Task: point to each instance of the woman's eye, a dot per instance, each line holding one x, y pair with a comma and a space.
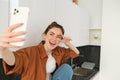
59, 37
51, 34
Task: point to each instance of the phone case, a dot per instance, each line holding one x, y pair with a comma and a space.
19, 15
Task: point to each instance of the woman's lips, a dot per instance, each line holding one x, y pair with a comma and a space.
51, 43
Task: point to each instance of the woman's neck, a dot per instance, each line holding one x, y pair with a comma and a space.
47, 50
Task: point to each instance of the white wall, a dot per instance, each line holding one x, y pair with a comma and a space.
110, 56
94, 8
41, 14
4, 11
74, 19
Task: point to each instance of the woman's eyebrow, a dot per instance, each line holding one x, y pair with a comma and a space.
52, 32
57, 35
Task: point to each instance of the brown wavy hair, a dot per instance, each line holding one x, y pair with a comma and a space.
54, 25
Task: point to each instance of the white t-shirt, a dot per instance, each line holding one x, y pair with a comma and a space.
50, 66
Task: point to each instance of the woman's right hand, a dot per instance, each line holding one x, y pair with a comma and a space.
9, 36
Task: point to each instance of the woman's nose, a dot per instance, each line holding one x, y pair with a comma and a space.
54, 38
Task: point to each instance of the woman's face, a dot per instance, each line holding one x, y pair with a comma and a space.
53, 38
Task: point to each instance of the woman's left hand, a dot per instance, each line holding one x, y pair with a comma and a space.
66, 40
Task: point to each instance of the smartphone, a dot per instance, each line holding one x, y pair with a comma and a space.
19, 15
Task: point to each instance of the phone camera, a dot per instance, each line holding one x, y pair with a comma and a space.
15, 11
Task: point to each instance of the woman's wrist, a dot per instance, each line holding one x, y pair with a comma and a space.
72, 47
2, 48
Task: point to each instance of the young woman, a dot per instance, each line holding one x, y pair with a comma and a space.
39, 61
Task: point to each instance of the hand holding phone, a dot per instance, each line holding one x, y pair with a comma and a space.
19, 15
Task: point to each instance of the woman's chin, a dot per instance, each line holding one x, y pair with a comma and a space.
52, 47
